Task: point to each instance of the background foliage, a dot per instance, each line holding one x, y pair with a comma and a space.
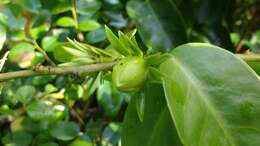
71, 110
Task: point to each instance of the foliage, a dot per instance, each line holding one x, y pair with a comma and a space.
162, 90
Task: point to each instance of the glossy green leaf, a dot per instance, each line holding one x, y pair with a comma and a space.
86, 7
18, 138
64, 130
93, 83
2, 36
65, 22
157, 128
211, 12
57, 6
38, 59
30, 5
22, 54
80, 142
25, 94
49, 43
38, 31
219, 35
116, 19
96, 36
49, 144
88, 24
61, 55
111, 134
213, 96
116, 43
140, 105
160, 24
39, 110
255, 66
109, 98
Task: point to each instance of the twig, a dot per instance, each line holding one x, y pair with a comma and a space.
249, 57
44, 53
47, 70
77, 116
245, 30
74, 13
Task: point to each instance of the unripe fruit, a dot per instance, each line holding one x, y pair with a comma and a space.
130, 74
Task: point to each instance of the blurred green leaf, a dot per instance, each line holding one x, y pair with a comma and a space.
211, 12
22, 54
86, 7
220, 36
38, 59
80, 142
140, 105
64, 130
160, 25
87, 24
93, 83
96, 36
49, 144
61, 55
19, 138
65, 22
25, 94
116, 19
109, 98
30, 5
39, 110
111, 134
50, 43
57, 6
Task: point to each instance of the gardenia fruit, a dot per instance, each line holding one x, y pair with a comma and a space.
130, 74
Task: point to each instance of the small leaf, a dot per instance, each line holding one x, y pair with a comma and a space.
22, 54
140, 105
25, 94
64, 130
88, 7
39, 110
116, 43
80, 142
49, 144
93, 83
50, 43
21, 138
75, 52
61, 55
109, 98
65, 22
157, 59
38, 59
96, 36
88, 24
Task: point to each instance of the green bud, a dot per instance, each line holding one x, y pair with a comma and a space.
130, 74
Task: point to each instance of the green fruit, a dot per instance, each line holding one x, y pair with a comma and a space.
130, 74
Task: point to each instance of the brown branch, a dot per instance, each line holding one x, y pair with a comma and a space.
47, 70
245, 31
